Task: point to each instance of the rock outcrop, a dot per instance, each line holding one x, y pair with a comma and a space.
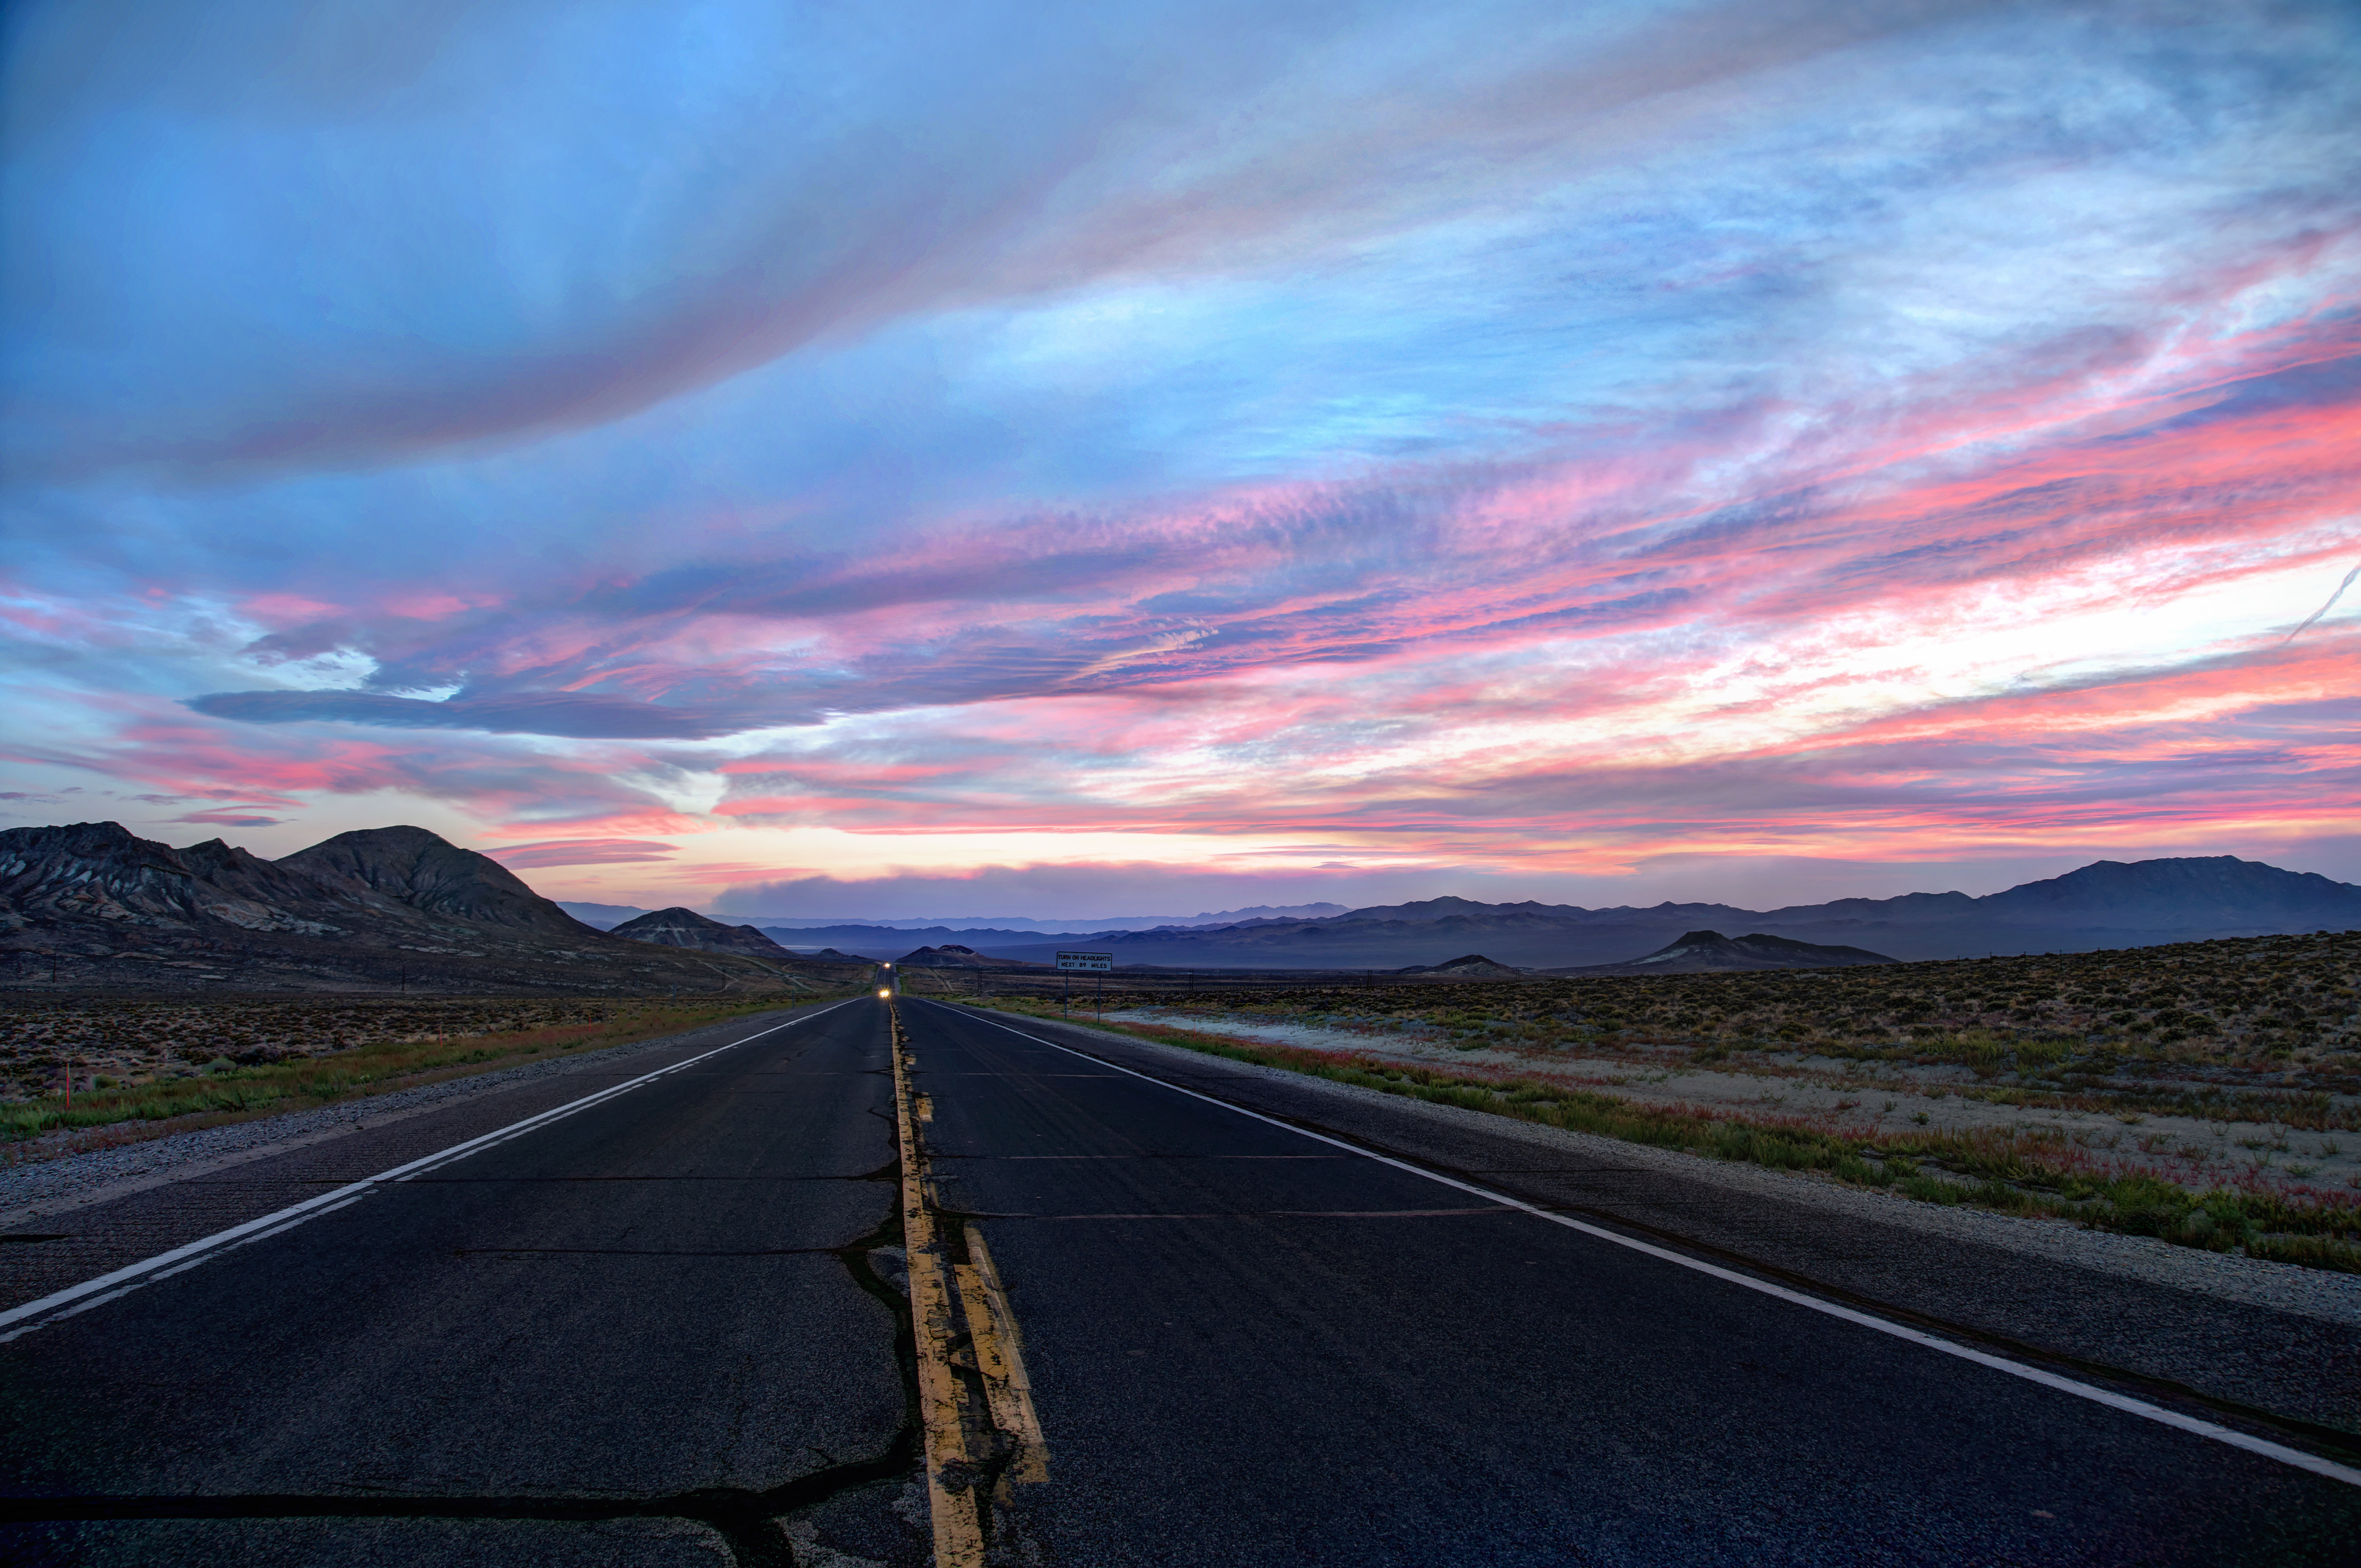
434, 876
92, 906
1705, 952
951, 955
678, 928
1471, 965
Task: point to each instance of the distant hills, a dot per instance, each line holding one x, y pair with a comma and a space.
1472, 966
2108, 903
950, 955
679, 927
1711, 952
607, 916
92, 906
1019, 922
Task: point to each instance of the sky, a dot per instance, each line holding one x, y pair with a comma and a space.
1054, 460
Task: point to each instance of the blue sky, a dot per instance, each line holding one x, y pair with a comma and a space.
694, 451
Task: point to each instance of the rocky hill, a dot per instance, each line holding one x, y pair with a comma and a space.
434, 876
1476, 965
90, 906
951, 955
1711, 952
677, 928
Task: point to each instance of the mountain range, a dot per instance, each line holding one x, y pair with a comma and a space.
1711, 952
2108, 903
92, 906
607, 916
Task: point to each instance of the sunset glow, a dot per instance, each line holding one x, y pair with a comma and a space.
1136, 460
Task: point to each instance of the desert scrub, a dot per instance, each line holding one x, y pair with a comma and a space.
2266, 1026
145, 1032
2017, 1172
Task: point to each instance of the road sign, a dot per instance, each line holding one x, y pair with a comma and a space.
1101, 962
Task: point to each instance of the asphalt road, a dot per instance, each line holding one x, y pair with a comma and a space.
643, 1329
630, 1335
1246, 1346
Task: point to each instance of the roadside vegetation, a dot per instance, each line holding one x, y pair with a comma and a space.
2259, 1032
141, 1069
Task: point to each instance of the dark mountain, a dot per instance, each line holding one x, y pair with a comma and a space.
687, 928
2106, 905
1471, 964
887, 943
99, 871
1705, 952
92, 906
436, 877
1520, 939
2213, 890
950, 955
600, 916
1027, 926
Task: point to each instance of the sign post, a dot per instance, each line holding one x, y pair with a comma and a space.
1089, 963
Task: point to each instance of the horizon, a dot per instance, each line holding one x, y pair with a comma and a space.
1669, 452
1121, 921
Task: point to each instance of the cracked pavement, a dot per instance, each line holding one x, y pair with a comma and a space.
674, 1328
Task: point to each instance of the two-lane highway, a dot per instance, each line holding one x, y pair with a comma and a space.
1249, 1346
656, 1313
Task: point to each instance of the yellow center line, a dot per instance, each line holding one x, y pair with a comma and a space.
975, 1404
1006, 1390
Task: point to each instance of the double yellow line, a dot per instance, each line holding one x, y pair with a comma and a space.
982, 1436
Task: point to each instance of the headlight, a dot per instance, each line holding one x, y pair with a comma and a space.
882, 991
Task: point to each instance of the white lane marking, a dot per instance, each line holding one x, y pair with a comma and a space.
148, 1270
2107, 1397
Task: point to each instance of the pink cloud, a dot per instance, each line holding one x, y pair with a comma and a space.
582, 853
229, 819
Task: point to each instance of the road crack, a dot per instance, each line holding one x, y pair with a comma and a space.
763, 1528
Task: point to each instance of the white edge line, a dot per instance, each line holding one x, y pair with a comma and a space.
2236, 1439
312, 1207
